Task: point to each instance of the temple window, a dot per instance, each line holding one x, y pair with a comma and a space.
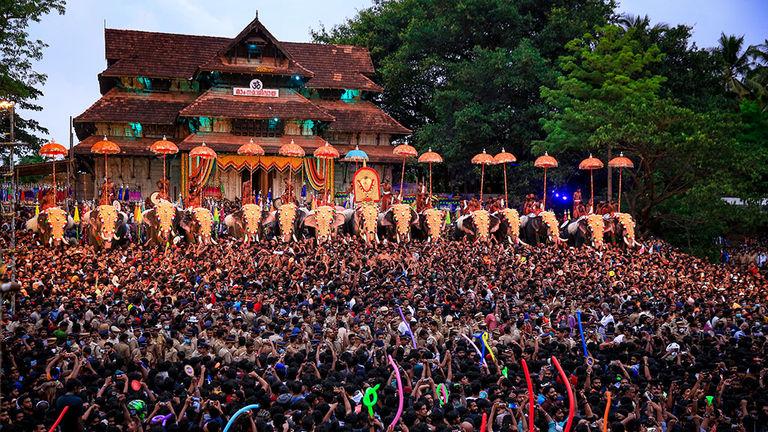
135, 129
308, 127
258, 128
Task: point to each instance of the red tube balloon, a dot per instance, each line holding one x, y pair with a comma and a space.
607, 410
58, 420
484, 422
571, 410
531, 404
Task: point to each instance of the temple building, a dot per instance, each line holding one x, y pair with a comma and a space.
224, 93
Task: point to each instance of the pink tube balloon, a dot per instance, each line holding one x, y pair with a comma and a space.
567, 383
399, 392
531, 405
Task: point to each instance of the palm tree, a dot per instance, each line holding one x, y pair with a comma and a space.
641, 23
757, 79
736, 63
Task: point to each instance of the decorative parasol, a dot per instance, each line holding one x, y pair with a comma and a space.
504, 158
250, 149
430, 157
292, 150
404, 151
105, 147
591, 164
165, 148
327, 153
545, 162
620, 162
482, 159
53, 150
203, 152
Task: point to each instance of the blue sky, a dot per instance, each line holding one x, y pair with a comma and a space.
76, 40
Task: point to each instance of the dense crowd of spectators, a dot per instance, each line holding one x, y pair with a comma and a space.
138, 339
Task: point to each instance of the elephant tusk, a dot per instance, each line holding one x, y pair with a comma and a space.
115, 237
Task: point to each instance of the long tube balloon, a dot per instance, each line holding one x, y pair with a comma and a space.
399, 393
238, 413
484, 338
484, 422
581, 332
567, 382
402, 316
482, 358
607, 410
59, 419
531, 405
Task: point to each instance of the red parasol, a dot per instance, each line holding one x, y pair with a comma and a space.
545, 162
250, 149
591, 164
504, 158
292, 150
164, 147
482, 159
404, 151
327, 153
105, 147
53, 150
620, 162
430, 157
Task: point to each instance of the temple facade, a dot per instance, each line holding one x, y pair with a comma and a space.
226, 92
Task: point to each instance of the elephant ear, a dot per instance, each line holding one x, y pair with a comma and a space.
495, 223
414, 217
311, 220
385, 220
338, 220
270, 218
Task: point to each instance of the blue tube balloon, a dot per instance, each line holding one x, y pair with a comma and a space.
237, 414
581, 332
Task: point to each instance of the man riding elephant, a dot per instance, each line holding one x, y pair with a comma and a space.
245, 223
159, 220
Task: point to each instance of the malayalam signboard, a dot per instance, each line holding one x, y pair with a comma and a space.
255, 89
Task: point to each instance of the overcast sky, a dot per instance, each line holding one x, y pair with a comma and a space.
76, 40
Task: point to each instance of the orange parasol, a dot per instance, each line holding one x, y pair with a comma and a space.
430, 157
504, 158
250, 149
545, 162
327, 153
291, 150
620, 162
203, 152
105, 147
52, 150
404, 151
164, 147
591, 164
482, 159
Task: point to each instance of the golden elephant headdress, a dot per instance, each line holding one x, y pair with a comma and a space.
366, 185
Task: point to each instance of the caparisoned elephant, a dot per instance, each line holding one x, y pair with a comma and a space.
288, 221
620, 229
106, 225
509, 226
540, 229
196, 225
50, 226
478, 225
584, 230
363, 221
160, 220
432, 223
400, 218
325, 221
245, 223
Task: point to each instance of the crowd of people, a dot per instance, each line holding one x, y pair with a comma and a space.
179, 339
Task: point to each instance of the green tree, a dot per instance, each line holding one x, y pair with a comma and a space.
609, 95
466, 75
18, 81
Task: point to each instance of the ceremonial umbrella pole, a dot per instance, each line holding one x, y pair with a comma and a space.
52, 150
164, 147
291, 150
620, 162
250, 149
591, 164
482, 159
545, 162
327, 153
504, 158
105, 147
204, 152
430, 157
404, 151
